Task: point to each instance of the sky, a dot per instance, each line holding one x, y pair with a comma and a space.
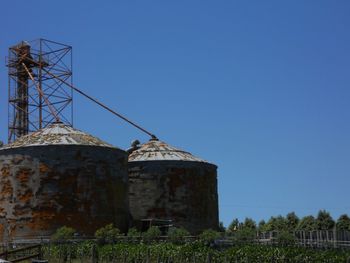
260, 88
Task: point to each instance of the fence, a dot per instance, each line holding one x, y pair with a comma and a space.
317, 239
22, 254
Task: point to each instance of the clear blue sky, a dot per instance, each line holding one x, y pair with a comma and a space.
261, 88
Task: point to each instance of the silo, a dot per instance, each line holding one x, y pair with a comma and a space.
170, 184
61, 176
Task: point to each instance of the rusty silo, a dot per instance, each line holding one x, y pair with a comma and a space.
61, 176
168, 183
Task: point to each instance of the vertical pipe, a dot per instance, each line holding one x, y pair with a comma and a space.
71, 82
23, 51
10, 124
40, 87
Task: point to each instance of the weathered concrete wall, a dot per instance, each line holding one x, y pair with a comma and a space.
185, 192
45, 187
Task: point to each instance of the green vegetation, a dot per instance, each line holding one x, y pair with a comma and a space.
324, 221
285, 238
152, 234
134, 233
189, 252
151, 247
291, 222
107, 234
177, 235
208, 236
63, 233
343, 223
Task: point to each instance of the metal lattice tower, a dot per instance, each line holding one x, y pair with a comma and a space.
36, 98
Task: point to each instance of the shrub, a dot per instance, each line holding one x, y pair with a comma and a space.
152, 233
209, 235
285, 238
63, 233
107, 234
133, 232
176, 235
245, 235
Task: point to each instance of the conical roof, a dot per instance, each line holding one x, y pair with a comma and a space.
57, 134
155, 150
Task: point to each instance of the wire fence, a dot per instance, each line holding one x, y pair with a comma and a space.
317, 239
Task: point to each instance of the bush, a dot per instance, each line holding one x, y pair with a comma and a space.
176, 235
107, 234
209, 235
152, 233
63, 233
285, 238
133, 232
245, 235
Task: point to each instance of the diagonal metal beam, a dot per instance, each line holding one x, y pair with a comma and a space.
51, 108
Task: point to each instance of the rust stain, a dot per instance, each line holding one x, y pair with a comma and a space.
26, 197
158, 212
41, 220
183, 192
7, 188
23, 175
2, 230
5, 171
43, 168
46, 188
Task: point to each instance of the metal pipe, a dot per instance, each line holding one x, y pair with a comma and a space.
102, 105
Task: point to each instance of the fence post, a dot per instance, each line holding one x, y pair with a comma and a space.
40, 252
124, 257
148, 260
208, 258
94, 255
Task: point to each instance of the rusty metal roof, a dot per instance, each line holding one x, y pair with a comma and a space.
155, 150
57, 134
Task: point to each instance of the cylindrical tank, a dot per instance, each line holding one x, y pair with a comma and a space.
166, 183
59, 176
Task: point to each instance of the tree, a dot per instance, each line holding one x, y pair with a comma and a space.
63, 233
307, 223
249, 224
107, 234
262, 226
233, 226
324, 221
278, 223
292, 221
343, 223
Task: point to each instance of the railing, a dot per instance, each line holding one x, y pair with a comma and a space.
22, 254
319, 238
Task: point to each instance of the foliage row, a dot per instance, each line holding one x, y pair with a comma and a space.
188, 252
291, 222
